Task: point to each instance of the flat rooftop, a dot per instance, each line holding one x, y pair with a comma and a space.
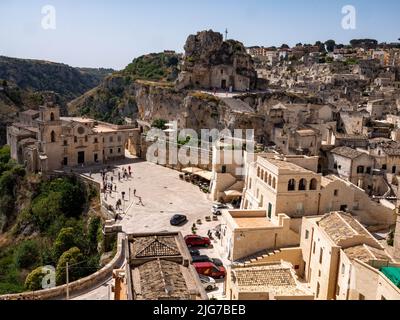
253, 222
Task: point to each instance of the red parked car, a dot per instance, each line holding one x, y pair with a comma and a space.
209, 269
197, 241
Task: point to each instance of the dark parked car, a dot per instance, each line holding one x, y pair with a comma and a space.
197, 241
217, 262
178, 220
194, 252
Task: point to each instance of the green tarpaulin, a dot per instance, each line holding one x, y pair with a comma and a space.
393, 274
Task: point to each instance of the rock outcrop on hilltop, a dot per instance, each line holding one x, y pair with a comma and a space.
210, 62
146, 90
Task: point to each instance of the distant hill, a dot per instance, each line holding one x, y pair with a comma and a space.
38, 75
26, 84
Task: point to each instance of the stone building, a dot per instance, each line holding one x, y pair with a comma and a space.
343, 261
353, 165
268, 281
157, 268
212, 63
44, 141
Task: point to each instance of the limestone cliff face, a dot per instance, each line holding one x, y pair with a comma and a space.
211, 62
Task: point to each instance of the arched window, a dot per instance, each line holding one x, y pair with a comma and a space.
52, 118
303, 185
292, 185
274, 183
313, 184
269, 180
53, 136
262, 175
258, 172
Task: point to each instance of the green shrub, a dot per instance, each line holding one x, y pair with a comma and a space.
74, 257
159, 124
27, 254
66, 240
33, 281
46, 209
93, 232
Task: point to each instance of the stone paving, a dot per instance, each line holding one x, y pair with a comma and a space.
159, 195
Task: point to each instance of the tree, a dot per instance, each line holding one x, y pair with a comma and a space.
5, 84
74, 257
34, 280
27, 254
330, 45
93, 231
46, 209
66, 240
284, 46
321, 46
159, 124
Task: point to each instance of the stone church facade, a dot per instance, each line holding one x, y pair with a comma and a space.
44, 141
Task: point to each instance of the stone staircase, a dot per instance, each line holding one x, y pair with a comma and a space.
257, 257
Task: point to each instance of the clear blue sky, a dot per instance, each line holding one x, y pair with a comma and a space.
100, 33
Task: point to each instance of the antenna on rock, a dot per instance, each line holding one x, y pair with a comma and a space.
226, 34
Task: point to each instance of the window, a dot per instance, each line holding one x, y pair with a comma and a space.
369, 170
318, 289
336, 193
111, 151
53, 136
343, 269
270, 180
262, 201
119, 139
384, 167
303, 185
258, 172
292, 185
111, 139
313, 184
119, 150
86, 138
394, 169
65, 142
335, 166
274, 183
360, 169
224, 170
307, 234
321, 255
52, 118
96, 140
75, 139
314, 247
270, 210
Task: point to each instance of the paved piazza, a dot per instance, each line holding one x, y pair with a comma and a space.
162, 195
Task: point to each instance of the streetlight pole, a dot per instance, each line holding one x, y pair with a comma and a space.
67, 276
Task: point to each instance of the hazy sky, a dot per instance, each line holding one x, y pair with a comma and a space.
100, 33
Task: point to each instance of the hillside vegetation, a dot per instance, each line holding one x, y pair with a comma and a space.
44, 223
115, 98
